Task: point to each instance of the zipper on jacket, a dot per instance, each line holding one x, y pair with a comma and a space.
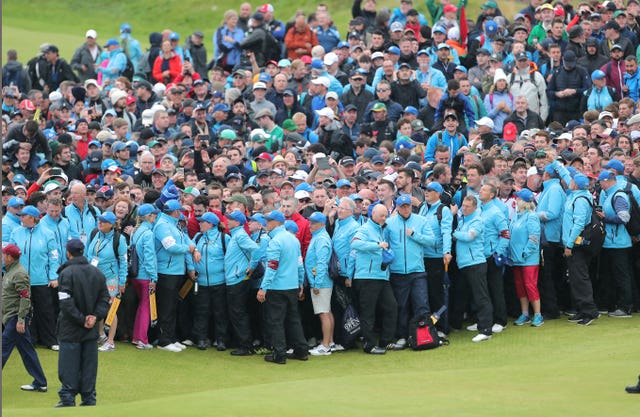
206, 257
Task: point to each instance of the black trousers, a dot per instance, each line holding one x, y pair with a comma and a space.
283, 321
554, 291
580, 283
615, 279
376, 295
127, 313
77, 371
438, 290
210, 301
237, 300
476, 277
22, 341
167, 305
43, 323
495, 284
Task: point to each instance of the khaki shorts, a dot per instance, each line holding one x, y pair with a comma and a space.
322, 301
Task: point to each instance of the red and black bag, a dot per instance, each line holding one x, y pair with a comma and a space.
423, 334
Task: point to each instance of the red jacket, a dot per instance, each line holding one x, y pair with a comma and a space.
304, 232
175, 69
296, 40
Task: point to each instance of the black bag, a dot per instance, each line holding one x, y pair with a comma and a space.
423, 334
350, 325
593, 234
134, 261
334, 266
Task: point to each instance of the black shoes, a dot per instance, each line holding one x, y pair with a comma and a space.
633, 389
61, 404
221, 346
202, 345
280, 360
241, 352
377, 350
300, 356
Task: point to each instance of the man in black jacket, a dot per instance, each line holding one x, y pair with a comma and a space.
84, 300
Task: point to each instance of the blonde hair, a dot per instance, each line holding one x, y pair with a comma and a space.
228, 15
525, 206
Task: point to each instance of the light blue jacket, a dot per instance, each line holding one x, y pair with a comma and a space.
144, 241
39, 253
211, 267
454, 143
470, 240
368, 253
262, 239
495, 228
60, 229
408, 249
576, 215
241, 249
116, 66
524, 245
343, 233
491, 102
316, 264
549, 210
81, 223
9, 222
172, 246
442, 230
615, 218
112, 265
284, 270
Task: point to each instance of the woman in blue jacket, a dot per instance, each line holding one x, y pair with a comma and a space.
147, 277
211, 298
100, 253
524, 252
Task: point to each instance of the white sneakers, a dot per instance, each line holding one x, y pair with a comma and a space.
335, 347
497, 328
320, 350
107, 347
400, 344
473, 327
173, 347
480, 337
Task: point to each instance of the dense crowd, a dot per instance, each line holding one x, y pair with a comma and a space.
381, 171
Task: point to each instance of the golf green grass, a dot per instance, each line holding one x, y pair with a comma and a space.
560, 369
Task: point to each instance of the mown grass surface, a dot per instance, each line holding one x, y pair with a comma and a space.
560, 369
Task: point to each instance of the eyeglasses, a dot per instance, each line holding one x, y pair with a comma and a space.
382, 90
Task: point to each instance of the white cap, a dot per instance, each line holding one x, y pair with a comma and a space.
499, 75
147, 117
255, 132
91, 34
532, 171
91, 81
299, 195
259, 84
377, 55
485, 121
321, 81
604, 114
55, 96
299, 175
159, 89
565, 136
331, 94
327, 112
330, 59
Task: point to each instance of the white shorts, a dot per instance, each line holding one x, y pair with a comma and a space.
322, 301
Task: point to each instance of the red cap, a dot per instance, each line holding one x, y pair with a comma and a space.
130, 99
265, 156
558, 11
306, 59
12, 250
510, 132
27, 105
449, 8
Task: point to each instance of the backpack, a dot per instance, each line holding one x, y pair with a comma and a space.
454, 222
116, 242
128, 69
633, 225
12, 76
272, 49
423, 334
593, 234
134, 259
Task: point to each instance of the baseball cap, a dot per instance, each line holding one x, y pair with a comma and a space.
615, 165
172, 205
238, 216
434, 186
209, 217
15, 202
403, 199
146, 209
258, 217
343, 183
107, 217
317, 217
485, 121
275, 215
327, 112
525, 194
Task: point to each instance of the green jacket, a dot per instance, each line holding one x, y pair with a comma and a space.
16, 293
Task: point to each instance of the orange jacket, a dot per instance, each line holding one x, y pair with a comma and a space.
294, 40
175, 68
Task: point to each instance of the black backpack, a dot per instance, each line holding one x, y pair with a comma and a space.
423, 334
134, 259
128, 69
633, 225
593, 234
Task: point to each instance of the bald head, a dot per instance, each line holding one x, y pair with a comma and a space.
379, 214
78, 194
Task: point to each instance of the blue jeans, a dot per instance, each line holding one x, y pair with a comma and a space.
410, 290
10, 339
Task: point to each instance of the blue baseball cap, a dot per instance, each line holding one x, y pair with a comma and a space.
221, 107
304, 186
29, 211
581, 180
377, 160
172, 205
259, 217
393, 50
423, 52
343, 44
111, 42
107, 217
435, 186
146, 209
525, 194
238, 216
549, 169
275, 215
615, 165
95, 143
404, 142
317, 217
19, 178
598, 75
15, 202
291, 226
606, 175
403, 200
461, 68
209, 217
174, 36
355, 197
343, 183
265, 78
411, 110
